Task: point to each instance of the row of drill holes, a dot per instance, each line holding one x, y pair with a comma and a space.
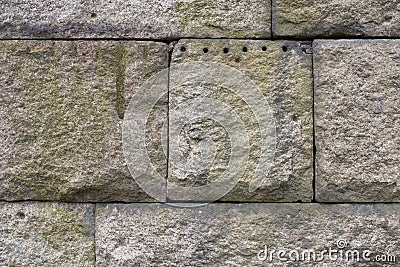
226, 50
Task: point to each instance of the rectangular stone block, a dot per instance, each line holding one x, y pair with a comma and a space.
135, 19
247, 235
240, 120
62, 105
357, 120
339, 18
46, 234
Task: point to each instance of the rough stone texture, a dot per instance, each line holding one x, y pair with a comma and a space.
357, 116
233, 234
336, 18
61, 109
135, 19
283, 73
46, 234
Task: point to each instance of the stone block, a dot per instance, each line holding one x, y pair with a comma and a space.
46, 234
222, 234
135, 19
62, 105
240, 121
338, 18
357, 120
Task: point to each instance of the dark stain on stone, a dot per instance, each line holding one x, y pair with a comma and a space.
120, 70
20, 215
301, 48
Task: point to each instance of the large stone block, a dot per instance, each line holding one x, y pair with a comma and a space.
338, 18
357, 120
61, 110
135, 19
46, 234
240, 111
238, 235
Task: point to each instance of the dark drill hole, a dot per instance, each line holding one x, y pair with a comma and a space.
205, 50
226, 50
93, 16
20, 214
284, 48
183, 49
264, 48
245, 49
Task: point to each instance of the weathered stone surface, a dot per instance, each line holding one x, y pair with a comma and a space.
357, 118
135, 19
46, 234
232, 235
283, 73
61, 109
338, 18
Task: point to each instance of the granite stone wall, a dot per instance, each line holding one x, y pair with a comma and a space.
121, 121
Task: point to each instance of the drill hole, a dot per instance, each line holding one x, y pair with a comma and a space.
245, 49
20, 215
205, 50
226, 50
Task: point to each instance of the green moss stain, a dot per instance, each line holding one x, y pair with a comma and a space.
63, 225
66, 225
120, 70
57, 119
